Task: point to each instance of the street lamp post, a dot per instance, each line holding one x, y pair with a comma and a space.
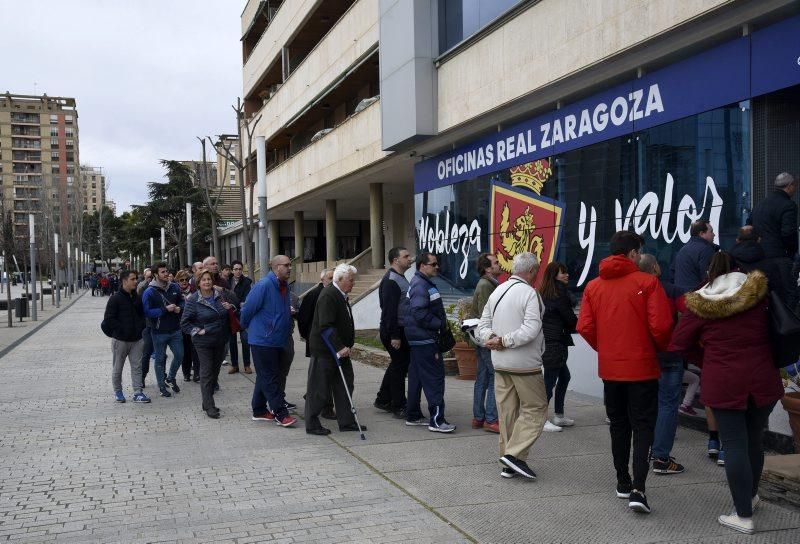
33, 266
163, 244
189, 233
69, 269
152, 252
57, 285
261, 171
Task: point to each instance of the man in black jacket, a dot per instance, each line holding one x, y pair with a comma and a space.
749, 255
305, 318
775, 221
124, 322
332, 335
394, 305
240, 285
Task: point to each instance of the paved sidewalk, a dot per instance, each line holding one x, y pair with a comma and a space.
76, 467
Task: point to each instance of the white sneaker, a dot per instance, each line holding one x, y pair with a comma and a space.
733, 521
562, 421
550, 428
755, 502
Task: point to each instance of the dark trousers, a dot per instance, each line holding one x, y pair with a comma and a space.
234, 349
426, 373
267, 391
287, 356
557, 378
323, 376
788, 287
742, 432
189, 358
632, 408
147, 351
210, 360
393, 386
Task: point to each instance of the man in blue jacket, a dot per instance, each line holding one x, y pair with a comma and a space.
267, 317
425, 321
690, 267
163, 303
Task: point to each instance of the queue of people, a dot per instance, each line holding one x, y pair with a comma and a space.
713, 314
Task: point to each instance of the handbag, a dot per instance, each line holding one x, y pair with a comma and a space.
233, 321
784, 328
446, 340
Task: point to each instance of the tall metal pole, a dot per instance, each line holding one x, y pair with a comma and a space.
57, 285
152, 252
163, 244
189, 234
32, 228
8, 290
69, 269
102, 255
261, 171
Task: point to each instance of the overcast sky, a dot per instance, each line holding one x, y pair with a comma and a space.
148, 76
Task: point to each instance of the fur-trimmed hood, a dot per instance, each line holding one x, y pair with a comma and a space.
728, 295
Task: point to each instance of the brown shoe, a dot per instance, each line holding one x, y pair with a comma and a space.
477, 423
491, 427
233, 370
248, 370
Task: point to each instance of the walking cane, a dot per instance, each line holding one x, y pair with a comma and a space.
326, 334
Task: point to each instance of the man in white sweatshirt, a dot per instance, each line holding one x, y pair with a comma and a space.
511, 326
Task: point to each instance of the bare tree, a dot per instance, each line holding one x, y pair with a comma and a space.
240, 163
211, 194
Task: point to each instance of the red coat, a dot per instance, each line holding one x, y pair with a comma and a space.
727, 334
625, 316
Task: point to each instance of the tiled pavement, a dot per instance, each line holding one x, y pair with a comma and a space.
76, 467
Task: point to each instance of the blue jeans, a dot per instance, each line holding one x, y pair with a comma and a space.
161, 340
669, 398
484, 387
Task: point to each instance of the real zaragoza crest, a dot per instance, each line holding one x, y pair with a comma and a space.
522, 221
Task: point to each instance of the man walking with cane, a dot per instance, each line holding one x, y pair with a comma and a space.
332, 336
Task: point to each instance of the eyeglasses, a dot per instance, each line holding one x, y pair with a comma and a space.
434, 264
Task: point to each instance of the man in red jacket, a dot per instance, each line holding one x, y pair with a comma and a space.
625, 317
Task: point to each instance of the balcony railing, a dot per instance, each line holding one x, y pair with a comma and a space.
16, 143
27, 169
24, 118
25, 131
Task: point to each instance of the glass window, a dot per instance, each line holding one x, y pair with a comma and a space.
460, 19
53, 118
54, 155
53, 142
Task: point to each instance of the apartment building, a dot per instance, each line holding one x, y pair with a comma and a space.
312, 91
93, 188
38, 160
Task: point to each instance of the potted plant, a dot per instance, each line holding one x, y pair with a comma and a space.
463, 350
791, 400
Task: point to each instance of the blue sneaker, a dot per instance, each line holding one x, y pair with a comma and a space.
165, 392
119, 397
713, 448
721, 457
141, 397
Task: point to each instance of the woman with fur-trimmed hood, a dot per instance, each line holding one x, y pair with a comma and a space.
726, 331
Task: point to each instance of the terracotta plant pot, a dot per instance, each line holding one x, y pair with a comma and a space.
467, 361
791, 403
450, 366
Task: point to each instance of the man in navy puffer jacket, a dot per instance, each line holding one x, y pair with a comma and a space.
424, 324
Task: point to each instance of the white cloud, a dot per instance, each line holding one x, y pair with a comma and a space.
148, 76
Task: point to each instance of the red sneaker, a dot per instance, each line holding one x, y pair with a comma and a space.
477, 423
491, 427
286, 421
269, 416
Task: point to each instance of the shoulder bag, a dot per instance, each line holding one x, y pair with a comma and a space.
784, 329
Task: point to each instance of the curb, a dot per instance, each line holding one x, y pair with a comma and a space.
21, 339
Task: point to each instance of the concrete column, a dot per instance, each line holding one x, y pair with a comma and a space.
298, 236
274, 238
330, 231
376, 224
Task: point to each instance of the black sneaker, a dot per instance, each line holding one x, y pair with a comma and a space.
165, 393
173, 384
399, 413
187, 378
518, 465
638, 502
291, 406
508, 472
667, 467
623, 491
196, 379
386, 407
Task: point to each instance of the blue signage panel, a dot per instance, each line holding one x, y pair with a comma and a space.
775, 54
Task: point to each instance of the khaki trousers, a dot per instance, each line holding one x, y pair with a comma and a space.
521, 409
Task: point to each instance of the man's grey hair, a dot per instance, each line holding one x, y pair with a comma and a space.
524, 262
783, 180
647, 263
343, 270
322, 274
208, 260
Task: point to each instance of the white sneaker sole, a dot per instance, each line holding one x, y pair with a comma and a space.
516, 469
623, 495
416, 423
440, 430
735, 527
508, 474
262, 419
638, 507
